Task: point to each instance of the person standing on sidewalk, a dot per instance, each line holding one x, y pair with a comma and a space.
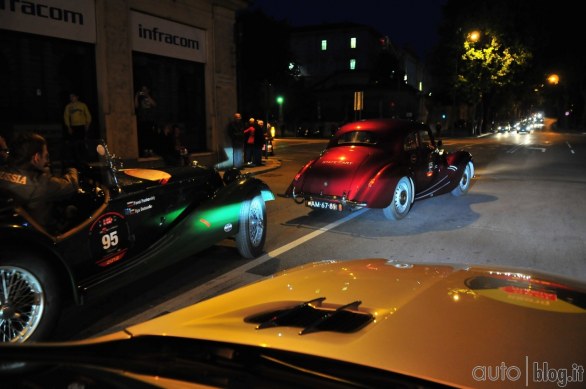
77, 120
235, 132
259, 142
77, 117
249, 142
145, 106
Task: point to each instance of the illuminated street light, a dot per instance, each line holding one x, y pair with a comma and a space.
553, 79
473, 36
280, 101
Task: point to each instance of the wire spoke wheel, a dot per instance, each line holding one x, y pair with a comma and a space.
256, 222
22, 303
252, 231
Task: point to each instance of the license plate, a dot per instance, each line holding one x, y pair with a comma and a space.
321, 204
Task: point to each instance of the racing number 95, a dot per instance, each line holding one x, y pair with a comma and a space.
110, 240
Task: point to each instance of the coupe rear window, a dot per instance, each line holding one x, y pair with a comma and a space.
357, 137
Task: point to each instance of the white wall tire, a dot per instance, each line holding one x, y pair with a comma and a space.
465, 181
401, 201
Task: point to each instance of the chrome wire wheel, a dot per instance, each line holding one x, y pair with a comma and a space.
22, 303
252, 227
256, 221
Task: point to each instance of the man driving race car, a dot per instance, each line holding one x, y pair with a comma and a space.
28, 178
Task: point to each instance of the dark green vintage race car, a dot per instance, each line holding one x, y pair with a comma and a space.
121, 221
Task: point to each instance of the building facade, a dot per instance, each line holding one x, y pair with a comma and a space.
357, 73
105, 51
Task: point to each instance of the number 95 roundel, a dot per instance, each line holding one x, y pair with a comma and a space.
109, 239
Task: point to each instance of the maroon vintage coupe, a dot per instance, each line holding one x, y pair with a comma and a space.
381, 163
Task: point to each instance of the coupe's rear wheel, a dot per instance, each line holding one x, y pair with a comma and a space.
401, 202
252, 233
464, 184
29, 300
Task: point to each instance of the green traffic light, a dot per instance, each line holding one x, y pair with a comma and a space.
280, 99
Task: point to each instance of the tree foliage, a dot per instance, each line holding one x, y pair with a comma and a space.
488, 64
548, 32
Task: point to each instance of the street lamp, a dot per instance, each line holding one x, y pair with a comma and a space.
466, 38
280, 101
553, 79
559, 98
473, 36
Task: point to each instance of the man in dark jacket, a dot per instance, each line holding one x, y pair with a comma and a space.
235, 132
4, 152
28, 178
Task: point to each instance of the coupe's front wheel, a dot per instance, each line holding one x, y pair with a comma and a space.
401, 202
29, 299
252, 233
465, 180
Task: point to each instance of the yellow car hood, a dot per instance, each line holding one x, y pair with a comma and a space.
460, 325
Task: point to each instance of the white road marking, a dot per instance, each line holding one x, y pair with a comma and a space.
514, 149
537, 148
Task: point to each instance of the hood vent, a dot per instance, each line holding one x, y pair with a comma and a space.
311, 316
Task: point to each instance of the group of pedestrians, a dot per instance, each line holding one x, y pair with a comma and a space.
247, 141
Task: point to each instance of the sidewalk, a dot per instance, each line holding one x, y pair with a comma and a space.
156, 163
268, 164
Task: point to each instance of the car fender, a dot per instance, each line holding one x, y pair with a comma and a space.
213, 221
225, 206
299, 178
456, 163
19, 238
459, 158
379, 191
243, 188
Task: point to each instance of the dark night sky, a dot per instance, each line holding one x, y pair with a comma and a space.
411, 23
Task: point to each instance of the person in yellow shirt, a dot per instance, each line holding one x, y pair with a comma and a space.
77, 119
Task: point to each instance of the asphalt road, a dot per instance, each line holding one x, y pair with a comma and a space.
525, 209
